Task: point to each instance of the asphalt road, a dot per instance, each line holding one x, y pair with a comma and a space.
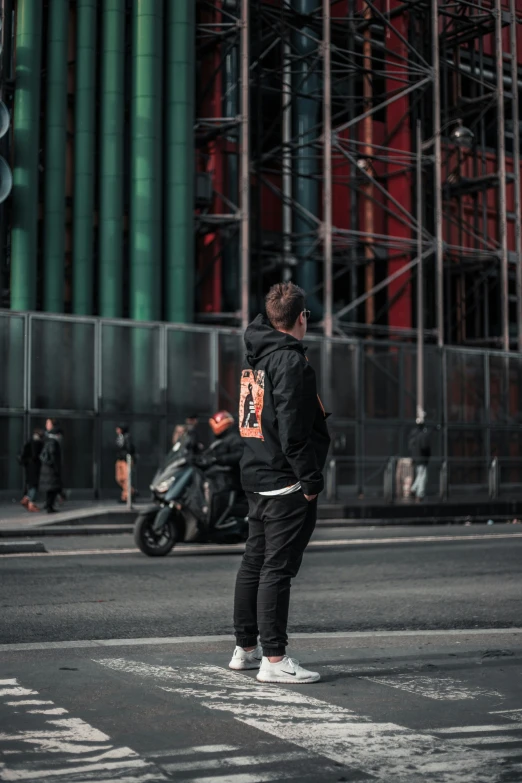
92, 690
431, 583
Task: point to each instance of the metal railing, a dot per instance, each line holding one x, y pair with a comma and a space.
446, 478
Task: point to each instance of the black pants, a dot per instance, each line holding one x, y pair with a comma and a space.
280, 529
51, 496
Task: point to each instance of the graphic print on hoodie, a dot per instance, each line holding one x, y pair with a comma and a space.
281, 419
251, 403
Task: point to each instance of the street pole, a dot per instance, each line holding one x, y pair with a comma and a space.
245, 168
516, 168
420, 283
327, 174
327, 206
439, 250
501, 163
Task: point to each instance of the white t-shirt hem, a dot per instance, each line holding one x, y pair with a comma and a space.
272, 493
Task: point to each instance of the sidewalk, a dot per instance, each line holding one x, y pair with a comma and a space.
75, 513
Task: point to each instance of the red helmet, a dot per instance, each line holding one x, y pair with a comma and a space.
220, 422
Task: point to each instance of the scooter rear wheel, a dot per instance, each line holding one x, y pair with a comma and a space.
151, 543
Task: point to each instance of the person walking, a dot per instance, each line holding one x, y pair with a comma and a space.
420, 449
29, 458
286, 441
51, 470
125, 447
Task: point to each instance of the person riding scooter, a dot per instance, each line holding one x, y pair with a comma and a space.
197, 497
220, 463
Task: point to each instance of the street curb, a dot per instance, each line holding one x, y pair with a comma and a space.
21, 547
73, 530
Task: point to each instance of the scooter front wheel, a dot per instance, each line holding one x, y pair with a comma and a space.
151, 543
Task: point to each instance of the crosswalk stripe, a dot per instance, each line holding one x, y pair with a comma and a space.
71, 748
477, 729
233, 761
438, 688
250, 777
192, 750
386, 750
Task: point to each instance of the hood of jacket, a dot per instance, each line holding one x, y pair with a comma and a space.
262, 339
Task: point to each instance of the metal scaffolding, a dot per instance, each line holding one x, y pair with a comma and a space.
334, 92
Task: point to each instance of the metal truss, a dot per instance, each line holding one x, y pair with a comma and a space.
329, 109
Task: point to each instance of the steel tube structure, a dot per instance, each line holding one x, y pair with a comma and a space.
179, 153
286, 163
84, 158
327, 174
55, 135
145, 212
501, 169
111, 159
437, 175
244, 189
516, 166
420, 280
24, 229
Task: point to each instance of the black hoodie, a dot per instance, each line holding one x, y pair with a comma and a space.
281, 417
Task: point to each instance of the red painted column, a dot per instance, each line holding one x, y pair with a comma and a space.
398, 137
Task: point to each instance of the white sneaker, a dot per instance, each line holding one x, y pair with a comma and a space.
246, 660
286, 671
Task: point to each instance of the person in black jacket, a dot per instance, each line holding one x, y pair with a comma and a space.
420, 448
124, 448
223, 456
220, 463
51, 459
29, 458
286, 442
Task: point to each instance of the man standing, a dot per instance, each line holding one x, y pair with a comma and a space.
286, 442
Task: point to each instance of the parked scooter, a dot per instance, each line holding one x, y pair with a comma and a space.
188, 508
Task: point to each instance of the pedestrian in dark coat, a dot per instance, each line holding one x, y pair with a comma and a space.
29, 458
51, 458
124, 448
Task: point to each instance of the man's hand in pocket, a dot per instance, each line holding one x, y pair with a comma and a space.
310, 497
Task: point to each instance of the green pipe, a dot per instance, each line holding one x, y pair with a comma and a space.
24, 232
306, 117
146, 160
111, 160
84, 152
179, 164
55, 140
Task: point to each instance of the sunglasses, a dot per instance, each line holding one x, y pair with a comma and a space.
306, 314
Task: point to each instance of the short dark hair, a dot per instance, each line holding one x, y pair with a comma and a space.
284, 303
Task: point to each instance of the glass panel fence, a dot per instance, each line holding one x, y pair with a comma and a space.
62, 365
131, 369
12, 361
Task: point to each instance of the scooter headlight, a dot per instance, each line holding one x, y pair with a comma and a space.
165, 485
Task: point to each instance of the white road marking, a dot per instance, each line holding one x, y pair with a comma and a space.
74, 750
387, 750
17, 691
239, 548
477, 729
81, 644
234, 761
193, 750
438, 688
247, 777
27, 702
